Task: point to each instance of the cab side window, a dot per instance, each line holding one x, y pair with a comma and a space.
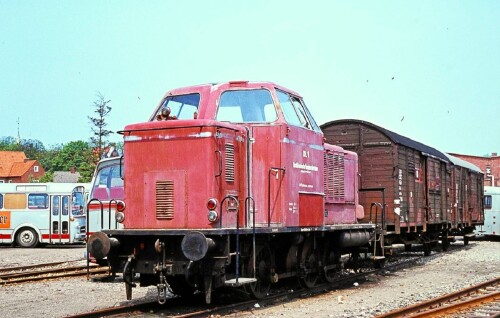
295, 111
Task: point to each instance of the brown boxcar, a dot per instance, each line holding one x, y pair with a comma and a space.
466, 197
414, 180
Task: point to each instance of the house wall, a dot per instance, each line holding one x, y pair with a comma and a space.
493, 162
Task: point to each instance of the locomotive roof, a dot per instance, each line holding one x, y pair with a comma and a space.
240, 83
394, 137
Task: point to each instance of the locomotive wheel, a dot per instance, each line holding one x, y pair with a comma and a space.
27, 238
263, 265
309, 262
180, 287
331, 263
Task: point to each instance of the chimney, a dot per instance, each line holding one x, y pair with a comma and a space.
72, 169
494, 154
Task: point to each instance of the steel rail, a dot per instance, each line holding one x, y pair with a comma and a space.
443, 304
53, 273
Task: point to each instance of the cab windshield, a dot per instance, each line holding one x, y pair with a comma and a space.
246, 106
181, 106
108, 184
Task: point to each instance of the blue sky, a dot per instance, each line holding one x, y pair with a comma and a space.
429, 70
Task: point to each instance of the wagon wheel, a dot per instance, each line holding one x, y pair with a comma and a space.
427, 249
309, 263
27, 238
466, 240
263, 266
331, 263
445, 242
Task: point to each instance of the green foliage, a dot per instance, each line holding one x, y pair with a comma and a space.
47, 177
77, 154
32, 148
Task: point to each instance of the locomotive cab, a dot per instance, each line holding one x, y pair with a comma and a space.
231, 184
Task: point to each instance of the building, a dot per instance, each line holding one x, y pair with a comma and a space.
15, 167
71, 176
490, 165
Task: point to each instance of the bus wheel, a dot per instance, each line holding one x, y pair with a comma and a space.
27, 238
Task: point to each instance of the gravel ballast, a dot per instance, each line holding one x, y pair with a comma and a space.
446, 273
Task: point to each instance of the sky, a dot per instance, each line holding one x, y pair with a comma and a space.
428, 70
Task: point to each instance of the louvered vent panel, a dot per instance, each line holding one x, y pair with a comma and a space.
328, 175
229, 163
165, 199
338, 177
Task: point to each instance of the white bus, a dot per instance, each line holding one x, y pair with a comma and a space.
491, 225
42, 213
106, 191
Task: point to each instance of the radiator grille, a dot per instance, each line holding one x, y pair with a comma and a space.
229, 163
334, 176
165, 199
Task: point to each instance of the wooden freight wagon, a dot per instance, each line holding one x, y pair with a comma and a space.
414, 177
466, 194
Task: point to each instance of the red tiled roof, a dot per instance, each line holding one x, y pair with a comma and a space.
14, 163
20, 168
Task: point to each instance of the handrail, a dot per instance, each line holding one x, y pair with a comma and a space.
87, 231
276, 170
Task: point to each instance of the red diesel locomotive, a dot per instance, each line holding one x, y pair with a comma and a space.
233, 185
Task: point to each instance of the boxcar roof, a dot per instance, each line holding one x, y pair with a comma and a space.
459, 162
395, 138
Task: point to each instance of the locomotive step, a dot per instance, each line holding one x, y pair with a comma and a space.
241, 281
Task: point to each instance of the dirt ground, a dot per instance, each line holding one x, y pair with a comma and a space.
477, 262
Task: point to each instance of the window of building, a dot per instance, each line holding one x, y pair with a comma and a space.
35, 168
487, 202
38, 201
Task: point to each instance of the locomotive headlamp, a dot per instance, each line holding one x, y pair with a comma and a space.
212, 204
120, 217
212, 215
120, 206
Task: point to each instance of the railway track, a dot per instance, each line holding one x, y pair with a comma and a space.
234, 302
482, 300
55, 270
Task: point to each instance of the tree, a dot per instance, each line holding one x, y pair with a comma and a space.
77, 154
100, 133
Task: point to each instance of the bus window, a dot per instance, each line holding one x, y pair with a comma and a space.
1, 201
38, 201
15, 201
55, 205
109, 184
78, 200
65, 205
